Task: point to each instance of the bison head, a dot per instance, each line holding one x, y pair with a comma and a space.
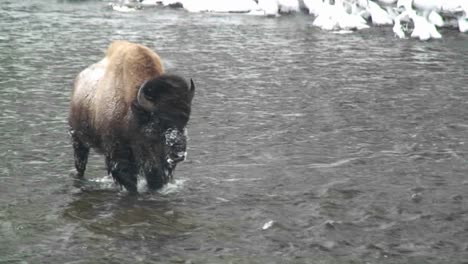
165, 104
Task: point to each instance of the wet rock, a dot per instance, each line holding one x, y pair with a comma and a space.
176, 5
218, 249
374, 246
457, 198
426, 216
191, 248
418, 189
416, 197
330, 224
452, 217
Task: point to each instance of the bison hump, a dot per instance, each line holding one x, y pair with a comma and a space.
135, 61
129, 66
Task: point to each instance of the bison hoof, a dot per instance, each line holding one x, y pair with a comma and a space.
77, 175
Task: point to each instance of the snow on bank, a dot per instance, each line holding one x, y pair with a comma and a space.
410, 18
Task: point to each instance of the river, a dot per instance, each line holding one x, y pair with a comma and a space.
305, 146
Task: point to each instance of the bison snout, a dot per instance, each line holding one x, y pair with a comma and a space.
178, 157
173, 159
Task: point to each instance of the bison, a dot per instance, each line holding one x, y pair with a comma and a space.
128, 109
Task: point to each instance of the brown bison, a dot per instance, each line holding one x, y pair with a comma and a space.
128, 109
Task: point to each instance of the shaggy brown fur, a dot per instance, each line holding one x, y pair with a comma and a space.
116, 108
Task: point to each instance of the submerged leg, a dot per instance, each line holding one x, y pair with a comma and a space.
156, 178
81, 152
123, 169
125, 175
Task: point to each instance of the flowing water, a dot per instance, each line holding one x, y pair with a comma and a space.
305, 146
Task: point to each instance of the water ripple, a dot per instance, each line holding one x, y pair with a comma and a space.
354, 146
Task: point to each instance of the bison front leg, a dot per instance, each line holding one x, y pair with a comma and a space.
121, 165
81, 152
156, 178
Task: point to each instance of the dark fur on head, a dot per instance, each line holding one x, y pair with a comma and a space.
169, 97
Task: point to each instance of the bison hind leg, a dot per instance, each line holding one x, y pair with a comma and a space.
81, 152
124, 172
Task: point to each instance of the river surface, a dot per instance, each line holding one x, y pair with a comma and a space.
305, 146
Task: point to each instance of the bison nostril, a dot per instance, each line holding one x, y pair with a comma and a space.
179, 159
176, 158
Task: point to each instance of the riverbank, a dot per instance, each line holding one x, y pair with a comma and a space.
420, 19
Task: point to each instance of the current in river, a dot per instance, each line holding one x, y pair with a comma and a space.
305, 146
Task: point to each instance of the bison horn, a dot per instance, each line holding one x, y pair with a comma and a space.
192, 88
143, 101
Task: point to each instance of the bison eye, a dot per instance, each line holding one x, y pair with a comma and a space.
178, 121
150, 94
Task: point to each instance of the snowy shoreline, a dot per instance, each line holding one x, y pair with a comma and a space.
409, 18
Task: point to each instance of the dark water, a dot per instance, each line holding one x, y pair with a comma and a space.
355, 146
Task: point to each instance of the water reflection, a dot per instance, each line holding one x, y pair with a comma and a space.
118, 215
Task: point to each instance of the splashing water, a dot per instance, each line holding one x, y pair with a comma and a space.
107, 183
172, 187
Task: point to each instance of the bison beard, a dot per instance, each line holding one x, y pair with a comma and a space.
145, 135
